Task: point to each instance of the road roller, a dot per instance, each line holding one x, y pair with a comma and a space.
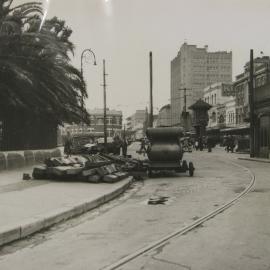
165, 152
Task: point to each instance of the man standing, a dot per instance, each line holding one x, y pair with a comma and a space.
117, 145
143, 148
68, 144
124, 147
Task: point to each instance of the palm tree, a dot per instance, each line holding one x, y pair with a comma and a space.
37, 82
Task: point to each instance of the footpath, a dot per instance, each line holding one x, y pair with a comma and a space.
28, 206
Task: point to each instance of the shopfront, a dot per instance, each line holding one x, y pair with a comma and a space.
264, 136
262, 126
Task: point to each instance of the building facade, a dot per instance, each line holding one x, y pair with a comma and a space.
136, 122
96, 127
261, 77
221, 97
194, 69
262, 121
114, 120
261, 103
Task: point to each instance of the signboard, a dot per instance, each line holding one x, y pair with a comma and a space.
227, 90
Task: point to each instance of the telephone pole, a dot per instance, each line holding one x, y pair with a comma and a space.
105, 106
251, 104
185, 97
151, 90
184, 112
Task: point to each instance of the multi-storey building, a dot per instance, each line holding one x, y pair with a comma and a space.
261, 74
135, 123
113, 120
96, 127
135, 119
219, 95
261, 103
195, 68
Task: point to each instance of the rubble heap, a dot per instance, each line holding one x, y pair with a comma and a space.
127, 163
91, 168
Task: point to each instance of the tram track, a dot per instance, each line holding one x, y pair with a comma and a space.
162, 241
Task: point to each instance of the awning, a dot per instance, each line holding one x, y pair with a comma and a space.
235, 129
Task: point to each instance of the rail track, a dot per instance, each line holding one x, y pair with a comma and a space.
185, 229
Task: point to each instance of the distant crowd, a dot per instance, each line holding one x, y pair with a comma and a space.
230, 143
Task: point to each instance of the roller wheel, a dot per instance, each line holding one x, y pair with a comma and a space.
191, 169
184, 166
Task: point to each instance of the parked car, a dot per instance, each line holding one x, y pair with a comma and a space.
101, 146
78, 143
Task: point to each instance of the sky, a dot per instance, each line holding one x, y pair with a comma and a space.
123, 32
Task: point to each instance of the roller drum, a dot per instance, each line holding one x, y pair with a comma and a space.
164, 134
165, 152
165, 146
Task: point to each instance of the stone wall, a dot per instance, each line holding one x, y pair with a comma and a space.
18, 159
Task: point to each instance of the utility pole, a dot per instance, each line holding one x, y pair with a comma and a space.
124, 135
251, 104
184, 113
105, 106
151, 90
185, 97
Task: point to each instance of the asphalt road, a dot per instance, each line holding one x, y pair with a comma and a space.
101, 237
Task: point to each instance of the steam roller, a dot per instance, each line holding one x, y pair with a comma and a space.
165, 152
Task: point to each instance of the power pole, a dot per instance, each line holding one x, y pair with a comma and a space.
185, 97
105, 106
151, 90
251, 104
184, 113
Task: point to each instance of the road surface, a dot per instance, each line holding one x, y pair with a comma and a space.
115, 230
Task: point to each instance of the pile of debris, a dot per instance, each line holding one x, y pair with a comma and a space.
128, 163
91, 168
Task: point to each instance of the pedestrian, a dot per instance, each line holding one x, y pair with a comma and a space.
226, 143
231, 144
209, 143
68, 144
124, 147
200, 145
196, 144
117, 145
143, 146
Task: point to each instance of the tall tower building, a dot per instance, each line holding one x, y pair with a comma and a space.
194, 69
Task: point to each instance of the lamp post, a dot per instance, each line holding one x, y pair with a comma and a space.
95, 63
105, 104
151, 90
82, 57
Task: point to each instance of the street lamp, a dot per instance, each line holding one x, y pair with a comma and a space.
82, 57
105, 104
